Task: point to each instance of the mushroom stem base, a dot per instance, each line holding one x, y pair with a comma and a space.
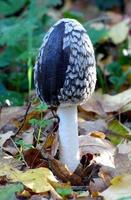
68, 136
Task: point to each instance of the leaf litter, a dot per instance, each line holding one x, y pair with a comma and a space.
103, 158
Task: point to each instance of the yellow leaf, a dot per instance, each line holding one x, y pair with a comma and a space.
117, 180
35, 179
120, 188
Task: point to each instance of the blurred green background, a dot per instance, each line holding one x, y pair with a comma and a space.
23, 24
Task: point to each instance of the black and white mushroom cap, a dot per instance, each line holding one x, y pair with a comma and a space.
65, 72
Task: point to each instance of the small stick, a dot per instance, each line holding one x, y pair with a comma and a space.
27, 110
21, 154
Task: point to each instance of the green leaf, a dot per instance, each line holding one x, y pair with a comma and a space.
22, 143
41, 107
42, 123
11, 6
34, 122
118, 132
64, 191
9, 191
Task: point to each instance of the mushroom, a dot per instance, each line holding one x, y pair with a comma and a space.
65, 76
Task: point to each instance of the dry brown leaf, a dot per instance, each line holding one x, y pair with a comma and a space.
125, 147
9, 146
49, 141
34, 158
107, 173
94, 105
122, 158
89, 126
122, 163
102, 104
5, 136
97, 185
9, 113
28, 136
19, 119
62, 172
101, 147
9, 160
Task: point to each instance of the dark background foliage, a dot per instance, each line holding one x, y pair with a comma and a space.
23, 25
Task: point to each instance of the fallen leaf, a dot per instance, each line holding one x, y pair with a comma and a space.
98, 134
118, 132
124, 147
9, 191
90, 126
62, 172
94, 104
107, 174
34, 158
97, 185
117, 102
19, 119
101, 147
64, 191
27, 136
120, 188
34, 179
9, 160
4, 137
103, 104
122, 163
51, 143
9, 113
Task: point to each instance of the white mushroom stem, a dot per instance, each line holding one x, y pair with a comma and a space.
68, 136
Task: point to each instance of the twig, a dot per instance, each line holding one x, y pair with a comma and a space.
27, 110
21, 154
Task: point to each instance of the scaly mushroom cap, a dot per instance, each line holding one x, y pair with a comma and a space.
65, 71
